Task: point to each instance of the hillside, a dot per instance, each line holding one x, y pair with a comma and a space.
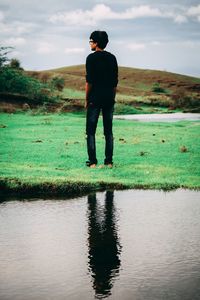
139, 90
132, 81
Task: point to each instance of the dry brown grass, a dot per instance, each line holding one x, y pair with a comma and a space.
132, 81
136, 87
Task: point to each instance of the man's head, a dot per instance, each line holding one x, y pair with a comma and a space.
98, 39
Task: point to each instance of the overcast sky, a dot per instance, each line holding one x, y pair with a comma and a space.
143, 34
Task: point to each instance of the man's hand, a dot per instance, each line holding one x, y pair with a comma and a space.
88, 88
86, 104
114, 92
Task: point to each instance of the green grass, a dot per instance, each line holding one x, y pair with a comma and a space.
141, 105
47, 153
73, 94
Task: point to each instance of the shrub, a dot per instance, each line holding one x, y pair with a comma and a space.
157, 88
16, 81
15, 64
58, 83
182, 99
43, 77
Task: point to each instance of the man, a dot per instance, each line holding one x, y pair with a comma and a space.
101, 83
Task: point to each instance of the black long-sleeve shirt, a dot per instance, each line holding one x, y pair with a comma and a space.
102, 74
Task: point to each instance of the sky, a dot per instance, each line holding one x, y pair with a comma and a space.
155, 34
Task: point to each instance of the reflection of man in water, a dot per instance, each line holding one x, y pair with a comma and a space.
104, 248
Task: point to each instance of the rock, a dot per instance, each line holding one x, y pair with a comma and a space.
26, 106
183, 149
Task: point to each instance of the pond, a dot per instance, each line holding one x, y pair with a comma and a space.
165, 117
132, 244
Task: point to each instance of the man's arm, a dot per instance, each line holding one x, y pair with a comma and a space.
88, 88
88, 85
114, 92
115, 76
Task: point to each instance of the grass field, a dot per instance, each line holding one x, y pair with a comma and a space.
47, 154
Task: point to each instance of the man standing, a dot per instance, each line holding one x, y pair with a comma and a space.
101, 83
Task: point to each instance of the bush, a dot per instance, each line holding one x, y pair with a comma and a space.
15, 64
12, 80
58, 83
16, 81
43, 77
182, 99
157, 88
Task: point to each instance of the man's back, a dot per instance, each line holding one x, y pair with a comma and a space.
102, 73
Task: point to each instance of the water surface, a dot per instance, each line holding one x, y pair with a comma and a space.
165, 117
113, 245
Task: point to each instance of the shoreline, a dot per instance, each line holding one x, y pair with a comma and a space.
72, 189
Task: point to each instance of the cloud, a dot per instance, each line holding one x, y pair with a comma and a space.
81, 17
45, 48
194, 11
139, 12
102, 12
136, 46
16, 28
173, 44
15, 54
15, 41
189, 44
180, 19
146, 33
147, 45
156, 43
74, 50
1, 16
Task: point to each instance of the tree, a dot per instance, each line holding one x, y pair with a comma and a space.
3, 55
15, 64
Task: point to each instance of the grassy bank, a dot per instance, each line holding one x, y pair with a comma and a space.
47, 153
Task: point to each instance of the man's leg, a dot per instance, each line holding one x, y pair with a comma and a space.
91, 125
107, 124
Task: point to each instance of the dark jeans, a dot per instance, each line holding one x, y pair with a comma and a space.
93, 113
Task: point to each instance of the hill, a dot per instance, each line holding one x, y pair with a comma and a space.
132, 81
137, 88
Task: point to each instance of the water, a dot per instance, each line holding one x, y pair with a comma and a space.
170, 117
112, 245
